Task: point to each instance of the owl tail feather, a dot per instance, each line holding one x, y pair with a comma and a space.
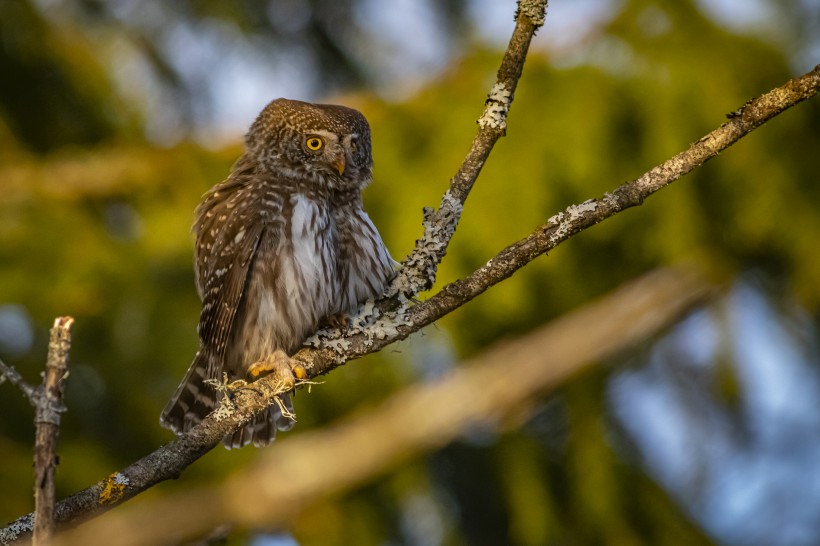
194, 398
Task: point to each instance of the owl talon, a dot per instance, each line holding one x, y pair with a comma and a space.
299, 371
340, 321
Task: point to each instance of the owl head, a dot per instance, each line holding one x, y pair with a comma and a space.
325, 143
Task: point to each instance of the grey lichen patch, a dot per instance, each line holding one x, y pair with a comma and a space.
565, 222
368, 321
225, 410
578, 211
384, 329
226, 406
609, 198
420, 267
496, 107
387, 327
364, 316
534, 10
332, 338
561, 227
339, 345
19, 526
121, 479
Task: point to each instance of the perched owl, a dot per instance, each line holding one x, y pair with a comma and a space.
281, 244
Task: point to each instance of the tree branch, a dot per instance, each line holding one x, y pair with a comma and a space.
420, 418
47, 423
562, 226
418, 273
47, 400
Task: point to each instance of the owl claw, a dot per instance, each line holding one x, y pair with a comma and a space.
299, 371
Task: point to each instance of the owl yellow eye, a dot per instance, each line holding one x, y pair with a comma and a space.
353, 146
314, 143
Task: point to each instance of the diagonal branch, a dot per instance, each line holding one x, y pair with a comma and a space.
564, 225
421, 418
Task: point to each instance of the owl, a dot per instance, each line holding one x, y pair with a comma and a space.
281, 245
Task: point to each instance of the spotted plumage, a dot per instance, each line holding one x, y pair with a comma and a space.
282, 243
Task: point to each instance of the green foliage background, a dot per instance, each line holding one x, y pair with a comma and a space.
94, 223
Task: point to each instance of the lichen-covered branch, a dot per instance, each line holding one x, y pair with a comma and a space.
571, 221
418, 272
378, 320
421, 418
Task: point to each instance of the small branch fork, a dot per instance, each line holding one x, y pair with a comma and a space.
47, 400
418, 273
394, 318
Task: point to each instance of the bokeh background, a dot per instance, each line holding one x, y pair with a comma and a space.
116, 116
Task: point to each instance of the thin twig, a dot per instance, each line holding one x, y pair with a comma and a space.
493, 123
14, 377
47, 421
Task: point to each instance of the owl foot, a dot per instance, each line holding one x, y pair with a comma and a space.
289, 370
340, 321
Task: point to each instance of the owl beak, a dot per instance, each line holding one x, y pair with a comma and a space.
339, 163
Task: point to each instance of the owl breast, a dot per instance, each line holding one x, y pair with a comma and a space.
292, 284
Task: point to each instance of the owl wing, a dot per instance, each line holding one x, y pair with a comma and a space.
227, 240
